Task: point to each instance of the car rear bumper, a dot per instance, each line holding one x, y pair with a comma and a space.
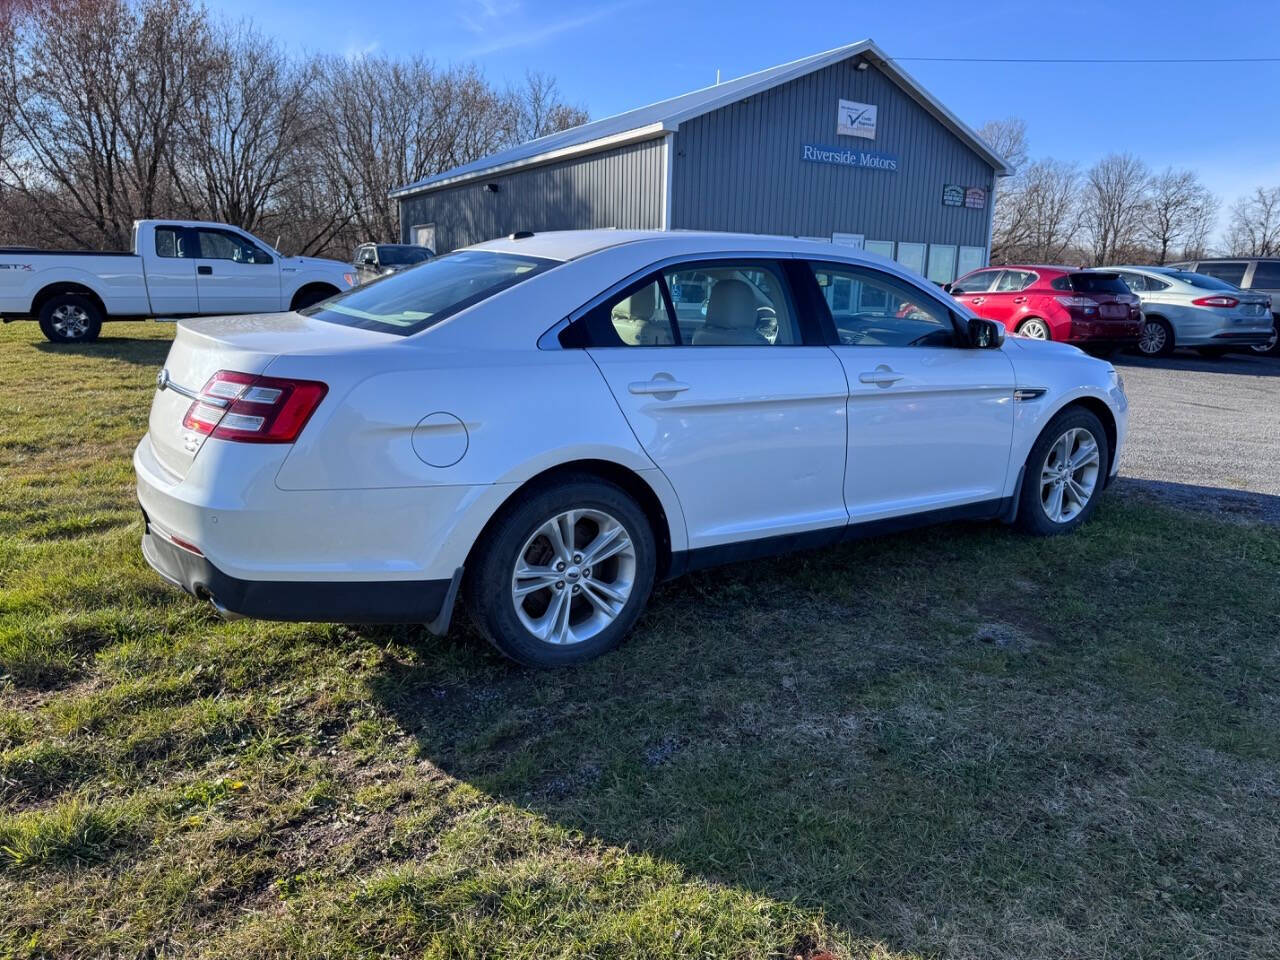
397, 601
1118, 333
1241, 338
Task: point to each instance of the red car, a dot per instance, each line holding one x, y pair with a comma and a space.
1090, 308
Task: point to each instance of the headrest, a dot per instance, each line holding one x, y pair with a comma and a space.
732, 306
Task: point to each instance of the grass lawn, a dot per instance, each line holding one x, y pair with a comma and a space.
958, 742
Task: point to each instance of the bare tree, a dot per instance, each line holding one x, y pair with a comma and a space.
1114, 206
1255, 224
1008, 138
96, 89
1177, 212
539, 111
1036, 218
241, 137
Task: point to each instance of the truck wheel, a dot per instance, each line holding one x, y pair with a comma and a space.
70, 318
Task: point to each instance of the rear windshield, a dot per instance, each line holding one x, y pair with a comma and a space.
1201, 280
402, 256
413, 300
1097, 283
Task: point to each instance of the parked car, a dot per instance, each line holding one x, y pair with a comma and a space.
177, 268
374, 260
1090, 309
493, 425
1185, 309
1257, 275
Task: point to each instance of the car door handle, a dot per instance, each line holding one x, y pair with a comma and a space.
882, 377
204, 271
976, 300
657, 387
1019, 299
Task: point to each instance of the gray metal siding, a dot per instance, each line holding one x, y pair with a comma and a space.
739, 168
614, 188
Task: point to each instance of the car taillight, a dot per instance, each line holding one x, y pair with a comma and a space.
254, 409
1218, 301
1079, 303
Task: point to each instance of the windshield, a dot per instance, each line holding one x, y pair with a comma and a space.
402, 256
1201, 280
1097, 283
413, 300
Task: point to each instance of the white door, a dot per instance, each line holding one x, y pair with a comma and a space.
930, 421
746, 421
171, 273
235, 275
424, 235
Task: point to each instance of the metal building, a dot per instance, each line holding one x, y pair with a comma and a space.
841, 146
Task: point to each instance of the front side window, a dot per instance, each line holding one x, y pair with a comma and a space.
728, 304
413, 300
222, 245
875, 309
979, 282
1232, 271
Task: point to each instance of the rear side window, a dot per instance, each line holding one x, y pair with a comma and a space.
732, 304
169, 242
1137, 282
1014, 280
413, 300
1231, 271
1097, 283
1154, 285
1266, 275
634, 317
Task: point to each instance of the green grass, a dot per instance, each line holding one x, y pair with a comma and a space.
957, 742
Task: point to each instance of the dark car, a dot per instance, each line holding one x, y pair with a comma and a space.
374, 260
1092, 309
1255, 274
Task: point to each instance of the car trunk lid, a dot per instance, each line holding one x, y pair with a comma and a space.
245, 344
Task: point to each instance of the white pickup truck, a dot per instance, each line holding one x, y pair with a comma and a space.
178, 268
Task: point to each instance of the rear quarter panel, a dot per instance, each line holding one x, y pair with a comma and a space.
118, 281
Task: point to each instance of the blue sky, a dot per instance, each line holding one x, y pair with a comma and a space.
1222, 120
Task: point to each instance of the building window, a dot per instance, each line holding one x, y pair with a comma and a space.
911, 256
970, 259
942, 263
882, 247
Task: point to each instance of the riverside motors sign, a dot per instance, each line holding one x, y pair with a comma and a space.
849, 157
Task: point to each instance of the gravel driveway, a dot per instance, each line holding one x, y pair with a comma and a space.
1205, 433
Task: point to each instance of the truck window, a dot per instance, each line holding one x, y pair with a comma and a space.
224, 245
169, 242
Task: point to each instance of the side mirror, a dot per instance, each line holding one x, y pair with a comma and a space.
985, 334
947, 287
368, 258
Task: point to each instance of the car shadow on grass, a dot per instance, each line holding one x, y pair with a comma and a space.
144, 352
923, 737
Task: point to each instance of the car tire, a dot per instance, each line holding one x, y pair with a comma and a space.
1273, 348
309, 298
1045, 497
602, 602
1034, 329
70, 318
1157, 338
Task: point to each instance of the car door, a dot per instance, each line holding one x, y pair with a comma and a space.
171, 273
930, 419
972, 290
1008, 298
739, 404
235, 275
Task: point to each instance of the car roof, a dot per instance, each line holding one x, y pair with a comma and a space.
1035, 267
573, 244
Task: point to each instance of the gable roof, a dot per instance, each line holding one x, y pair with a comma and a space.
665, 116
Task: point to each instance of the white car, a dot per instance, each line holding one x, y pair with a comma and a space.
530, 424
1185, 309
177, 268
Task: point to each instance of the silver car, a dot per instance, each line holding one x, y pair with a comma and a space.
1186, 309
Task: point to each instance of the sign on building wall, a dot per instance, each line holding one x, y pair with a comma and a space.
952, 195
856, 120
848, 157
975, 198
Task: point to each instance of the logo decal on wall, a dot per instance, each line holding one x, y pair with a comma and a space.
856, 119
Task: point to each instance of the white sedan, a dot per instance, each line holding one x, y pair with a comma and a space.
543, 426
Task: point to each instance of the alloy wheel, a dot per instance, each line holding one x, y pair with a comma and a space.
1069, 476
70, 321
1153, 338
573, 576
1034, 330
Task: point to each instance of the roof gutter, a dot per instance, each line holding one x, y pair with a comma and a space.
636, 135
